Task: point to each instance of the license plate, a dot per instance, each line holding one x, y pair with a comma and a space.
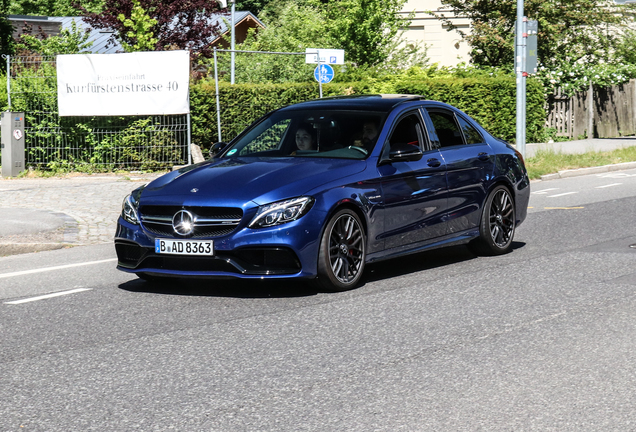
184, 247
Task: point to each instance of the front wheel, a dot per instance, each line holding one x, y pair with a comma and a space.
497, 227
342, 252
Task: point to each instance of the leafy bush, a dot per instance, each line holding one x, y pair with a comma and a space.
142, 142
490, 100
571, 78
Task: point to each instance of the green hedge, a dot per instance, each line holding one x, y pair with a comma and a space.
491, 101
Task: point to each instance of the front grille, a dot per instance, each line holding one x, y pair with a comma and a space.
188, 264
208, 221
254, 261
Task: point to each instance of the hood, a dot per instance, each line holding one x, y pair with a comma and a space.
235, 181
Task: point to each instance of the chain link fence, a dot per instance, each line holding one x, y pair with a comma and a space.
88, 143
260, 69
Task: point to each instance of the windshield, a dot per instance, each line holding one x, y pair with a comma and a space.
336, 134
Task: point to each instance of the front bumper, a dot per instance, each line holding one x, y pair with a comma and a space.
286, 251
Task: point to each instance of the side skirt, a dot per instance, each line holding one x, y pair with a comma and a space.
449, 240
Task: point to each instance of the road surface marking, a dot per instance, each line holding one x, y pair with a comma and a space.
562, 208
544, 191
47, 296
609, 185
616, 175
46, 269
563, 194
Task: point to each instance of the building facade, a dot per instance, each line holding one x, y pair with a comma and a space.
446, 48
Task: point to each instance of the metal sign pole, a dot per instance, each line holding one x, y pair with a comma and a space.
9, 82
320, 76
521, 96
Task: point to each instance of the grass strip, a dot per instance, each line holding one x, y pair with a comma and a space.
549, 161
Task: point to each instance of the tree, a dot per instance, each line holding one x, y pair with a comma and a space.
140, 25
180, 24
625, 52
365, 29
289, 28
294, 26
53, 7
254, 6
569, 30
6, 30
69, 41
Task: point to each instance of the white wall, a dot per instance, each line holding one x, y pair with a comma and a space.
444, 47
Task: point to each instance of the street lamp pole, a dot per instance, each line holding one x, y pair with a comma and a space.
233, 41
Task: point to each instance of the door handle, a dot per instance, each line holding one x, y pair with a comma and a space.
432, 162
483, 156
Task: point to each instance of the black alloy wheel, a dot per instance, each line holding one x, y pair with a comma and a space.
497, 227
342, 252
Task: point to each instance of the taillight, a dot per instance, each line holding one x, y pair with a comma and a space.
520, 156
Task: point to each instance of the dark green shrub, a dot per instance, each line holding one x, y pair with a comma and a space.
489, 100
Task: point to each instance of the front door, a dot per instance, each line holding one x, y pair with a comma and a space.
414, 193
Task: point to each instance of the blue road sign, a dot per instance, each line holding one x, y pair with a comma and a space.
323, 73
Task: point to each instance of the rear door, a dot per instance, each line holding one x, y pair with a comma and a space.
469, 164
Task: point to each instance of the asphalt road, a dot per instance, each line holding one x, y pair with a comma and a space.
539, 339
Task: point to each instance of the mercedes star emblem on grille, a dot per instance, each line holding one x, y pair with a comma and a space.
183, 222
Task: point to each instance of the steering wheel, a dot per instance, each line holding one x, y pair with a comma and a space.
360, 149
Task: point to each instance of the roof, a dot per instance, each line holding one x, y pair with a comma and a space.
380, 102
101, 37
238, 18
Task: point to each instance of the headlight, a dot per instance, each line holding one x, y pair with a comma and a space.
131, 205
281, 212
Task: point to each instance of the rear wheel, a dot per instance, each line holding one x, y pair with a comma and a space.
342, 252
497, 227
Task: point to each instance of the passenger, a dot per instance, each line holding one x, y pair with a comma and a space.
305, 137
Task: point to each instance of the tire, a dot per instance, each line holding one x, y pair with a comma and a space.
497, 225
342, 253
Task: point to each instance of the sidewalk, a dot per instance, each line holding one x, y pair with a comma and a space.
50, 213
582, 146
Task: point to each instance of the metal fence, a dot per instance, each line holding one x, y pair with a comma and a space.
259, 68
88, 143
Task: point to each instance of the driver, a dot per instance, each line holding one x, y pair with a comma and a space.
369, 135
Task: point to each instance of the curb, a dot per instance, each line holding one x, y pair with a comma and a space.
7, 249
590, 170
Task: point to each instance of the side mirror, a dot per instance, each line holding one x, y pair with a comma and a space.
403, 152
217, 148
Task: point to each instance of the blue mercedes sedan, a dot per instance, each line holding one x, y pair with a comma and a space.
319, 189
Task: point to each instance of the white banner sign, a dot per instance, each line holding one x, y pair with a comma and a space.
139, 83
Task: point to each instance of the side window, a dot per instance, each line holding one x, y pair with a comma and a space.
470, 133
408, 130
270, 139
446, 128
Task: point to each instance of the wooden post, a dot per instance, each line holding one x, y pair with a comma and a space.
632, 112
570, 125
590, 111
